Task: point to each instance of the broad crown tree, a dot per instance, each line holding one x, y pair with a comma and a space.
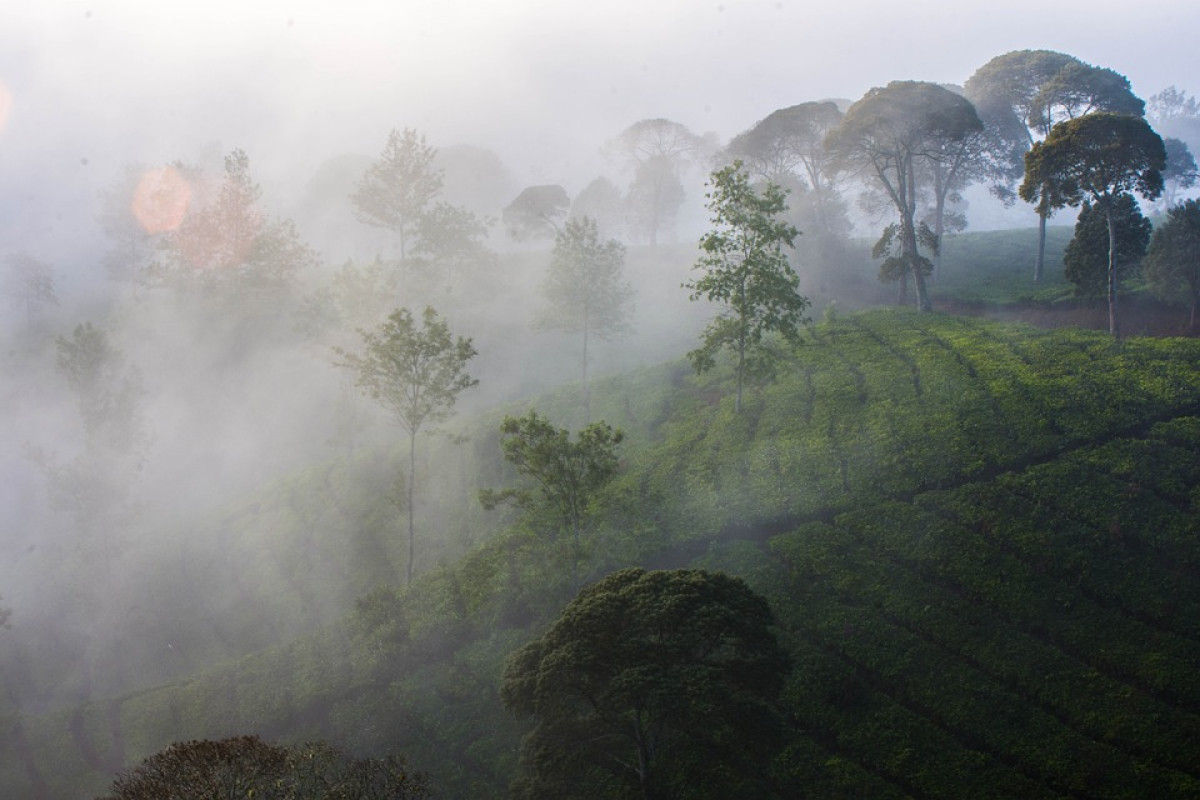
1028, 92
656, 684
1096, 157
889, 136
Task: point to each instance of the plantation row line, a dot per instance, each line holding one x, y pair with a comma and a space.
1041, 664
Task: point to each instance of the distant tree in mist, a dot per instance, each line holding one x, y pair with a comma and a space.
585, 290
568, 475
5, 614
536, 213
28, 286
451, 241
132, 246
416, 374
229, 245
94, 486
1038, 89
745, 270
1172, 262
601, 201
1097, 157
788, 146
1085, 261
656, 151
356, 296
247, 767
889, 136
1181, 172
399, 186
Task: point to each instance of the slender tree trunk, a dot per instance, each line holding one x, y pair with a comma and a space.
412, 478
737, 406
1040, 264
1113, 326
587, 389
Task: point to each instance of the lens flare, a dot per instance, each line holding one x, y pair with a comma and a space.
6, 101
161, 200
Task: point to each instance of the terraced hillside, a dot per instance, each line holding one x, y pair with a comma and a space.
980, 542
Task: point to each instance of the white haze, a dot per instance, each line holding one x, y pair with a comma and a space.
95, 86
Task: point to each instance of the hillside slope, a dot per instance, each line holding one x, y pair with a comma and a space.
979, 541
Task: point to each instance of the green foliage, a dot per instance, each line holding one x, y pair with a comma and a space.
746, 270
416, 375
247, 767
1100, 157
891, 135
1172, 264
585, 289
1085, 261
569, 475
1097, 156
977, 540
651, 684
399, 186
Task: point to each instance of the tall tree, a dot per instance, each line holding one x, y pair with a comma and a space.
651, 685
28, 285
891, 135
1098, 157
585, 290
417, 375
1172, 263
568, 474
399, 186
230, 245
746, 270
1085, 261
94, 486
656, 151
1039, 88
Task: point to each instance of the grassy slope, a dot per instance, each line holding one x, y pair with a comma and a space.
979, 540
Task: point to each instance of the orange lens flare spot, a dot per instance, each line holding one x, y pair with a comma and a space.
6, 102
161, 200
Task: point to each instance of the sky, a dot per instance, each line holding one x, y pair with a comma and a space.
88, 87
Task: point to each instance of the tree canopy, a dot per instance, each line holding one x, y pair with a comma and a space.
746, 270
536, 212
585, 289
888, 135
416, 374
1085, 261
653, 684
247, 767
1096, 157
568, 474
1172, 263
398, 186
1021, 95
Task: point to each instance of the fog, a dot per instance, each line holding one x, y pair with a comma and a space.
310, 91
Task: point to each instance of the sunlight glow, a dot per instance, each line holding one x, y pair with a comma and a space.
161, 200
6, 101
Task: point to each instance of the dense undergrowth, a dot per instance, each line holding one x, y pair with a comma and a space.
979, 541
